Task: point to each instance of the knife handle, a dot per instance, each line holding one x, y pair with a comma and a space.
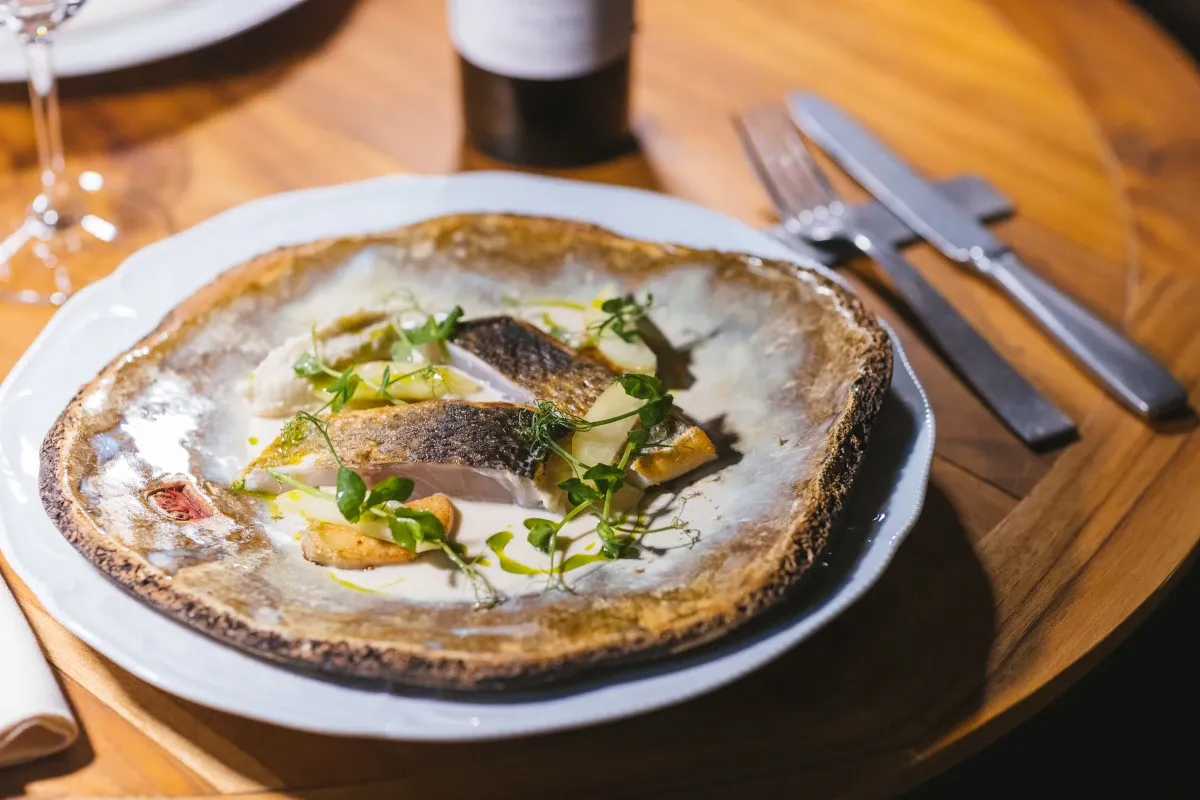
1129, 373
1024, 409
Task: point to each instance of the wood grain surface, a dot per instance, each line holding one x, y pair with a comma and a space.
1023, 570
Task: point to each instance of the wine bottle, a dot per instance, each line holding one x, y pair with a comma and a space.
544, 82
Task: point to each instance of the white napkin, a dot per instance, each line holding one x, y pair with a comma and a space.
35, 719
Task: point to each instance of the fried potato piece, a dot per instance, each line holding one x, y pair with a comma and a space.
344, 546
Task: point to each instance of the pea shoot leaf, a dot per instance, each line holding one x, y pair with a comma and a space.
433, 331
643, 387
343, 389
541, 533
351, 490
623, 315
611, 545
308, 366
655, 411
388, 489
578, 492
402, 531
606, 477
428, 528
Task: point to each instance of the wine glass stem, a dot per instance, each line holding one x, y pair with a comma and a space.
47, 125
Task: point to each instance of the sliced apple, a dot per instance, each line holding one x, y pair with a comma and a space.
419, 384
603, 444
633, 356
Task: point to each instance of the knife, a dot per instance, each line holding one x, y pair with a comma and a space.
1129, 373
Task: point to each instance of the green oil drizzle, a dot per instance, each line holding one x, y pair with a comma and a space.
239, 486
363, 589
354, 586
550, 302
253, 440
498, 541
580, 560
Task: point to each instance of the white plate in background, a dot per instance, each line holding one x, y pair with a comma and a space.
110, 34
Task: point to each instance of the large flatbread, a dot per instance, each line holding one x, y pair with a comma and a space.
783, 367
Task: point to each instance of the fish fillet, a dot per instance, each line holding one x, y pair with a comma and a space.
509, 353
470, 451
505, 352
519, 361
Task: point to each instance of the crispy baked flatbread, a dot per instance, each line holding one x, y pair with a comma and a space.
784, 369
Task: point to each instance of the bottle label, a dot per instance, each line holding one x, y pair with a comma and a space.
541, 39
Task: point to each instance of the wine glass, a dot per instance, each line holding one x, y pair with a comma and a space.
78, 224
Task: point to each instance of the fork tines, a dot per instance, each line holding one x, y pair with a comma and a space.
782, 162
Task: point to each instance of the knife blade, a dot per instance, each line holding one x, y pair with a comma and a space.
1129, 373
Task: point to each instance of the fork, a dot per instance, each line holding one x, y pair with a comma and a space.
811, 209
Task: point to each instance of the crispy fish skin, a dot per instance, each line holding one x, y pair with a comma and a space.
684, 448
475, 451
687, 448
341, 546
486, 435
535, 362
523, 362
539, 364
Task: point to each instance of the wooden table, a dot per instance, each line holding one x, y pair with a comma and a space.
1024, 569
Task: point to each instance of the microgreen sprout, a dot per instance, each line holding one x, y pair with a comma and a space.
624, 313
593, 486
346, 382
428, 332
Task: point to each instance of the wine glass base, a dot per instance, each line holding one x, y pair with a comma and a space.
57, 247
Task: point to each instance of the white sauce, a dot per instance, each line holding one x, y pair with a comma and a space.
729, 350
433, 578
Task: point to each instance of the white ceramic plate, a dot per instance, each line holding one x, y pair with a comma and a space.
110, 34
107, 317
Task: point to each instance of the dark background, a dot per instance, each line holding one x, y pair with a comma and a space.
1131, 727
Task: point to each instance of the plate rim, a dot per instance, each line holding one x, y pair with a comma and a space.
838, 600
152, 35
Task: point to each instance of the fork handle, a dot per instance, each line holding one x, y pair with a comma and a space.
1127, 371
1011, 397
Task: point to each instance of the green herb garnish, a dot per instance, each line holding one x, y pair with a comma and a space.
433, 331
430, 331
558, 331
343, 390
388, 490
624, 313
346, 382
593, 486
